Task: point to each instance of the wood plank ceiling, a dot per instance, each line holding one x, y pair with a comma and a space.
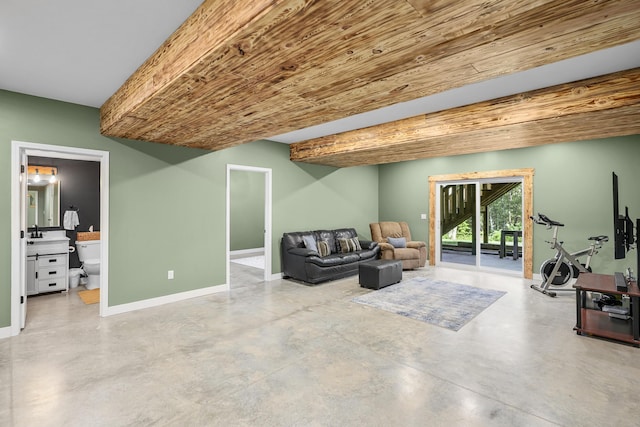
234, 73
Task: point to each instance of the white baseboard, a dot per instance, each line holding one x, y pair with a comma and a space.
246, 252
167, 299
5, 332
276, 276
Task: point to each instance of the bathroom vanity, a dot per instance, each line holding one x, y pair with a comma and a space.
47, 263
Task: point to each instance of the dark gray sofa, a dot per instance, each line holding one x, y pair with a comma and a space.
301, 263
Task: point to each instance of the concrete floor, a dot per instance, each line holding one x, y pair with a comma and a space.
284, 354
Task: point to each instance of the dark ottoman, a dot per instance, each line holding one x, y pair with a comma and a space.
380, 273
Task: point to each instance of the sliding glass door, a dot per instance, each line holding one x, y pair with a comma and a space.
480, 224
458, 221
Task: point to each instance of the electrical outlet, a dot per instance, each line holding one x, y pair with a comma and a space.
170, 275
423, 216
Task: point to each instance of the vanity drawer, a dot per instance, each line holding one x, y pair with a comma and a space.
53, 284
53, 272
52, 261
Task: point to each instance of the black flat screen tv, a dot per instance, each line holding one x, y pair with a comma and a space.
622, 225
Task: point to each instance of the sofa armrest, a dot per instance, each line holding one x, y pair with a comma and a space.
368, 244
384, 246
294, 260
302, 252
416, 245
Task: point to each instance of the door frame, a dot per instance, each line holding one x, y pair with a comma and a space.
526, 174
267, 217
18, 250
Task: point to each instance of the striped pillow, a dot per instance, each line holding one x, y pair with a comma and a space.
323, 248
349, 245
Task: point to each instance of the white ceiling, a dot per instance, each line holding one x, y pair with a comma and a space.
82, 51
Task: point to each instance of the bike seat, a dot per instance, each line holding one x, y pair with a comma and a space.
549, 221
600, 238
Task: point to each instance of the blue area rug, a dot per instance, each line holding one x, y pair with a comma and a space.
445, 304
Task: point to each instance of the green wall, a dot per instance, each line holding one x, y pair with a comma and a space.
572, 184
246, 210
167, 203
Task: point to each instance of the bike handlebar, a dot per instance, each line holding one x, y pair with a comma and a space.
545, 220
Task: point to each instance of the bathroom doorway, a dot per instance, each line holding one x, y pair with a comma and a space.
248, 225
22, 152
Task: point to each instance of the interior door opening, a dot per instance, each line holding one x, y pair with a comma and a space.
248, 225
51, 220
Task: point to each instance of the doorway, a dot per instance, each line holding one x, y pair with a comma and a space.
20, 152
479, 220
249, 214
480, 224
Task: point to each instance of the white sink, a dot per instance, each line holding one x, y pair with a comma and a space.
50, 243
47, 239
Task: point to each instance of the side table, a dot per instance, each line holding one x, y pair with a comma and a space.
503, 235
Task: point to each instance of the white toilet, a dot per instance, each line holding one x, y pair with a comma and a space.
89, 254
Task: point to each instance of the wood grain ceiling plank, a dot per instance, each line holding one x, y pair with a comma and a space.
217, 77
233, 74
569, 34
451, 70
470, 12
420, 44
260, 43
256, 117
246, 41
593, 94
608, 123
604, 124
525, 49
214, 22
314, 55
470, 128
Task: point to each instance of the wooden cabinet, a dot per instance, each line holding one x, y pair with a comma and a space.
593, 321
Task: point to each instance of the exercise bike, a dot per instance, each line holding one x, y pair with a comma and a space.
564, 265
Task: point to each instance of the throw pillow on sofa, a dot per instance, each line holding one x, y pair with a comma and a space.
310, 243
323, 248
349, 245
397, 242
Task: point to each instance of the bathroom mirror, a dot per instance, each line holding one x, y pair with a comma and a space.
43, 197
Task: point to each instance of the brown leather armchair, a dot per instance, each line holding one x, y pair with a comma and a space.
413, 255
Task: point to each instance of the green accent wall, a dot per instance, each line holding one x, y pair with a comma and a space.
246, 210
167, 203
572, 184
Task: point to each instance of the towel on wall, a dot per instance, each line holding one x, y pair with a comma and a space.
70, 220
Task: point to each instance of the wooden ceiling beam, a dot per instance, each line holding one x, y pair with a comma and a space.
594, 108
238, 72
203, 34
